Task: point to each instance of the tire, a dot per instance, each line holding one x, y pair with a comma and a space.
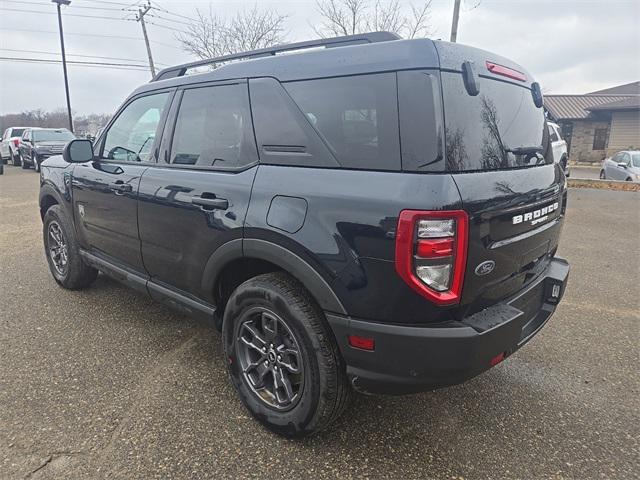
321, 392
74, 274
628, 179
603, 175
36, 165
15, 159
22, 162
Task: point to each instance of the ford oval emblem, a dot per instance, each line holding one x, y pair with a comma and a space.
485, 268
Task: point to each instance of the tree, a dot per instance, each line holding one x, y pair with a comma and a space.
213, 36
349, 17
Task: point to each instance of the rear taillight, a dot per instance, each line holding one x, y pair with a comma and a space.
16, 142
431, 253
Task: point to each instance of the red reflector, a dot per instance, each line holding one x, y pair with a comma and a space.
16, 142
506, 71
497, 359
437, 247
362, 342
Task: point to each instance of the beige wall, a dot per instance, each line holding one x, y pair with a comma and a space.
582, 141
625, 131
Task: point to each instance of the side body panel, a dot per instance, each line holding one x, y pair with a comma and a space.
348, 234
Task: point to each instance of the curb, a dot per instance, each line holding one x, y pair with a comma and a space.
603, 184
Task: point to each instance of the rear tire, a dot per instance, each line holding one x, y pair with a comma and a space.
63, 252
36, 165
15, 159
271, 314
22, 162
603, 176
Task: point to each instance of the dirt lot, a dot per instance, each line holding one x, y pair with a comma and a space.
105, 383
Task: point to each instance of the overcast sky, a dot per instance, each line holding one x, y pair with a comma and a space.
571, 46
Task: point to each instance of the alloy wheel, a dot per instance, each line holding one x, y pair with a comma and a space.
270, 358
57, 245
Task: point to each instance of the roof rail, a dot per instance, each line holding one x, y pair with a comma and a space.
373, 37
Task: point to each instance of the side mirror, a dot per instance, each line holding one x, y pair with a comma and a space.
78, 151
622, 164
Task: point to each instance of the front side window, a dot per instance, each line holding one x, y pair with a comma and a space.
213, 128
357, 116
131, 136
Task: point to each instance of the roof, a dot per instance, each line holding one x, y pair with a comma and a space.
627, 103
632, 88
577, 107
317, 63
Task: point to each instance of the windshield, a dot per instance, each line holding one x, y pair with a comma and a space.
499, 128
635, 159
17, 132
52, 135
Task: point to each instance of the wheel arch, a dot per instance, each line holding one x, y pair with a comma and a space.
47, 198
252, 257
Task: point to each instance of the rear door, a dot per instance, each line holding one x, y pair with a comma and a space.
499, 153
105, 190
196, 198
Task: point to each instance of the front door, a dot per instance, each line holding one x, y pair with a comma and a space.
105, 190
197, 200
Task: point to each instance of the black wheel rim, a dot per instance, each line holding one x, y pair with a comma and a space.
270, 359
57, 248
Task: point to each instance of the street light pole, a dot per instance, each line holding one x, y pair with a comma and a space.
454, 23
64, 59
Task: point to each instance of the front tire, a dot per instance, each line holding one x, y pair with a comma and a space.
282, 357
63, 252
603, 176
22, 162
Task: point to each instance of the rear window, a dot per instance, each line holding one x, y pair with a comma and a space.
16, 132
500, 128
356, 116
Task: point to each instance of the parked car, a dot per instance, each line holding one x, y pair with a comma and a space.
559, 147
38, 144
624, 165
381, 216
10, 145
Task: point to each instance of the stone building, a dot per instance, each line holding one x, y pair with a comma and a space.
598, 124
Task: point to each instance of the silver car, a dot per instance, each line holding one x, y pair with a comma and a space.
624, 165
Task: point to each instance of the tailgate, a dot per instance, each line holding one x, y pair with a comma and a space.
515, 219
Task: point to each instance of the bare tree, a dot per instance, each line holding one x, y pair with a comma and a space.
214, 36
348, 17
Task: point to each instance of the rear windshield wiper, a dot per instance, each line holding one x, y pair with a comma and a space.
524, 150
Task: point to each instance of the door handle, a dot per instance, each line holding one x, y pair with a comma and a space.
208, 204
120, 187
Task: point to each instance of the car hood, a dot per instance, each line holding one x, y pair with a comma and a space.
55, 161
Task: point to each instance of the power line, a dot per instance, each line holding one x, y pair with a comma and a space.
74, 55
88, 35
162, 9
53, 13
41, 4
130, 66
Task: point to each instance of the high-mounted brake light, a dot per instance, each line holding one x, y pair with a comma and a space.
431, 253
506, 71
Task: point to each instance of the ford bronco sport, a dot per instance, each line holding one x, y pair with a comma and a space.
358, 213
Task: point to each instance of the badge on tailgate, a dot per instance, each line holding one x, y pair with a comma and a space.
535, 216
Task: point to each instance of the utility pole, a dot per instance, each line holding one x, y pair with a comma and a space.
64, 59
140, 18
454, 24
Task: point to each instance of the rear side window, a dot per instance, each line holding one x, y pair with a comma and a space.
17, 132
356, 116
500, 128
213, 128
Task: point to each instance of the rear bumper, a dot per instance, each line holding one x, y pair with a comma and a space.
409, 359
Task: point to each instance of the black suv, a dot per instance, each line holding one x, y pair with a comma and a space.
37, 144
379, 214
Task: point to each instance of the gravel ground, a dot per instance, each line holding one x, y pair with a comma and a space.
104, 383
